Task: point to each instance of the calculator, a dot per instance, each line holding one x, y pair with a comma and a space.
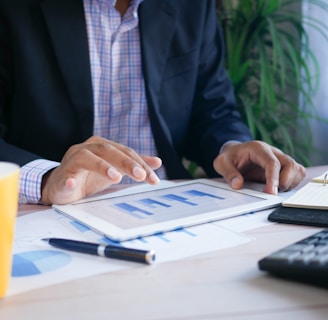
305, 260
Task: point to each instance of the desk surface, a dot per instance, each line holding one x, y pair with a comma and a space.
224, 284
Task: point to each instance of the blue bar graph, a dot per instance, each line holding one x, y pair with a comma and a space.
133, 210
183, 200
202, 194
153, 203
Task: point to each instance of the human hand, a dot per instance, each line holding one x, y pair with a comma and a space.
258, 161
93, 166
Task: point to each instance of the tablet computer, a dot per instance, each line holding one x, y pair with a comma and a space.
164, 208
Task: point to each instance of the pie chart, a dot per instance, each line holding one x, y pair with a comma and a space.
31, 263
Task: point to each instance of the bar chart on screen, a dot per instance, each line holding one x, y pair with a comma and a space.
152, 211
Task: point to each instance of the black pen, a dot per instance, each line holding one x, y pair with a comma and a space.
109, 251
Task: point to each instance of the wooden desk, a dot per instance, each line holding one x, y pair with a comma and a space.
225, 284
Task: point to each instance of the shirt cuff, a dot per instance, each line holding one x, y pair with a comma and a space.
30, 179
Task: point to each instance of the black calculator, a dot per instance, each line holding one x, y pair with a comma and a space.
305, 260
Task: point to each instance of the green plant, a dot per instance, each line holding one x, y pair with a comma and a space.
269, 59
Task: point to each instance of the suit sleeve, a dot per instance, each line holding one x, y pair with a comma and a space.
215, 117
8, 152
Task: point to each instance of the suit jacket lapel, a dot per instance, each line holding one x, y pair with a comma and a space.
67, 29
157, 25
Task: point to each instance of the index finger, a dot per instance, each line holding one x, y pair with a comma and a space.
124, 159
271, 166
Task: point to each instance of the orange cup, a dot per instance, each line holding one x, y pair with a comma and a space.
9, 182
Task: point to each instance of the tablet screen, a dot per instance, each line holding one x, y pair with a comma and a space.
162, 205
143, 209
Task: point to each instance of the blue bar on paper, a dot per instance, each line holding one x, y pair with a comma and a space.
80, 227
186, 231
110, 242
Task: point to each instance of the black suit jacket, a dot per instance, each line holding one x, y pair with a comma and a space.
46, 102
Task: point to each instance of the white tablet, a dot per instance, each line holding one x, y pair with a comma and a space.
163, 208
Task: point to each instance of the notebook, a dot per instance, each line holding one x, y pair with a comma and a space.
308, 206
314, 195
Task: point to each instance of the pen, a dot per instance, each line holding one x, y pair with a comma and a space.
109, 251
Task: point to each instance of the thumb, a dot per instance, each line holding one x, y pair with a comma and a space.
65, 192
236, 182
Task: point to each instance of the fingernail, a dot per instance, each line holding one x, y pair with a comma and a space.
113, 174
275, 190
235, 182
153, 178
139, 173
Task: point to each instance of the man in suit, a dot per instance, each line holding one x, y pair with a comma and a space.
93, 91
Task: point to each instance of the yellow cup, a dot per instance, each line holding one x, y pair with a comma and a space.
9, 179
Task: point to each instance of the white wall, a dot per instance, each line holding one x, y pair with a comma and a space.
320, 48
